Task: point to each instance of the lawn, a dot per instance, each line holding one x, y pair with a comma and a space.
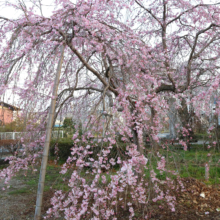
190, 165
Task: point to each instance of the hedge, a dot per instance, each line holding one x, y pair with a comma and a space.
65, 145
64, 148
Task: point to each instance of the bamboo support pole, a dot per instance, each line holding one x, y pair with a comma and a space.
41, 182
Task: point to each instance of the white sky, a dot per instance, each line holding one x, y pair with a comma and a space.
48, 6
11, 13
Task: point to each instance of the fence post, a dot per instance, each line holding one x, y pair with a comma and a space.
206, 171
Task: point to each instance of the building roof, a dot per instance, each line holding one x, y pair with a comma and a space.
12, 107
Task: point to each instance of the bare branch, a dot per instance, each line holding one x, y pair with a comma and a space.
150, 12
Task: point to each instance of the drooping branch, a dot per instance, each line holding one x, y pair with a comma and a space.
188, 80
189, 10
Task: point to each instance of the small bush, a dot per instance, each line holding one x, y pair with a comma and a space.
65, 145
64, 148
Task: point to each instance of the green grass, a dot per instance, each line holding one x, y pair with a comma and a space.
53, 180
3, 166
187, 164
19, 191
32, 182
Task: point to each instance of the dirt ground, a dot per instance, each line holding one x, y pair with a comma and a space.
199, 201
20, 206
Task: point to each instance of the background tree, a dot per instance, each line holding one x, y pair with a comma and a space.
69, 126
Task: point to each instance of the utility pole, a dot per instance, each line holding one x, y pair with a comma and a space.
41, 182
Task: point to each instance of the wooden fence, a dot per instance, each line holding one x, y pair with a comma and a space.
18, 135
